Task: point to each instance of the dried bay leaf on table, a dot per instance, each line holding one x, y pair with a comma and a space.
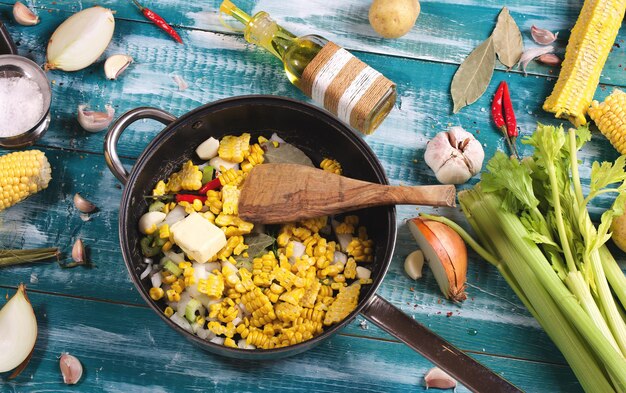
472, 78
507, 39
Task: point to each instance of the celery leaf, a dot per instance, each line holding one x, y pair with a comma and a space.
508, 174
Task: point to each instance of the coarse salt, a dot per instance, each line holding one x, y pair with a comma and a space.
21, 105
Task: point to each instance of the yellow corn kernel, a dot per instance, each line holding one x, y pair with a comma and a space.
261, 139
312, 314
301, 233
167, 246
350, 269
169, 311
230, 199
293, 296
164, 231
159, 189
234, 148
156, 293
184, 265
344, 228
188, 178
271, 295
310, 294
169, 278
172, 295
152, 229
330, 165
214, 201
610, 118
229, 342
287, 312
255, 157
339, 278
212, 286
361, 250
344, 304
589, 45
231, 177
176, 287
315, 224
337, 285
197, 205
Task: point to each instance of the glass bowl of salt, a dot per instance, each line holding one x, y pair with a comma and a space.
25, 96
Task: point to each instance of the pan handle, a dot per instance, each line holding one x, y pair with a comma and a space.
114, 133
463, 368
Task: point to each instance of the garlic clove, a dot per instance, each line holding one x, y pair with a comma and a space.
542, 36
532, 53
78, 252
549, 59
439, 379
71, 369
23, 15
18, 325
95, 121
413, 264
82, 204
115, 65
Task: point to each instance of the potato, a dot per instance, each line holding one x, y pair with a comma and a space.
618, 227
393, 18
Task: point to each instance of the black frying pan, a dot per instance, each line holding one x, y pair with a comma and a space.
318, 134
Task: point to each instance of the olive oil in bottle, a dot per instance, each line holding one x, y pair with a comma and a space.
356, 93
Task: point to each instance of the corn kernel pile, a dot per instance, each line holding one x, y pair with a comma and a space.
283, 296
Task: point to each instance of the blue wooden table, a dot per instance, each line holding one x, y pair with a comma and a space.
97, 314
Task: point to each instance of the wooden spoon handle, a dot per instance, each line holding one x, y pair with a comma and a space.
437, 195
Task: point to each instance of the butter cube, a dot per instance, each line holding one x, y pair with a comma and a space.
197, 237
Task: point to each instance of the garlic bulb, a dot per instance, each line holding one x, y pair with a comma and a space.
454, 155
80, 40
95, 121
23, 15
115, 65
18, 325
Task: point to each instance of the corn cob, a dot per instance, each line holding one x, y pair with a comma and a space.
587, 50
610, 117
22, 174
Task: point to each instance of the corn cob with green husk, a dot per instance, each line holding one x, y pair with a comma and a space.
587, 50
22, 174
610, 117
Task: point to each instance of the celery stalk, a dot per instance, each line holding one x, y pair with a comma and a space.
542, 305
614, 274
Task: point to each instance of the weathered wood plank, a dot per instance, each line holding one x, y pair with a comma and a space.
446, 31
125, 348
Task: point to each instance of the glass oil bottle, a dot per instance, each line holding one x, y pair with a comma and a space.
356, 93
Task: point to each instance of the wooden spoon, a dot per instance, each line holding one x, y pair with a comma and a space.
276, 193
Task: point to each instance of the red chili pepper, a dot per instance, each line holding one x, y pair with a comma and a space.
210, 185
503, 116
189, 198
509, 114
159, 21
496, 107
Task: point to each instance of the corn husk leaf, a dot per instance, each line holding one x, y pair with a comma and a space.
472, 78
507, 39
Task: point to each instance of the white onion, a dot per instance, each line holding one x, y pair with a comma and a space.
174, 257
156, 280
218, 340
175, 215
339, 258
276, 138
145, 273
18, 325
181, 321
199, 271
210, 266
80, 40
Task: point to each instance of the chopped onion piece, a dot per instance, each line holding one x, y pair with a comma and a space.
298, 249
339, 258
363, 273
210, 266
174, 257
218, 340
236, 321
156, 280
175, 215
181, 321
145, 273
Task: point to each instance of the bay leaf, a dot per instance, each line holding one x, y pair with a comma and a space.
473, 75
507, 39
257, 244
285, 153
